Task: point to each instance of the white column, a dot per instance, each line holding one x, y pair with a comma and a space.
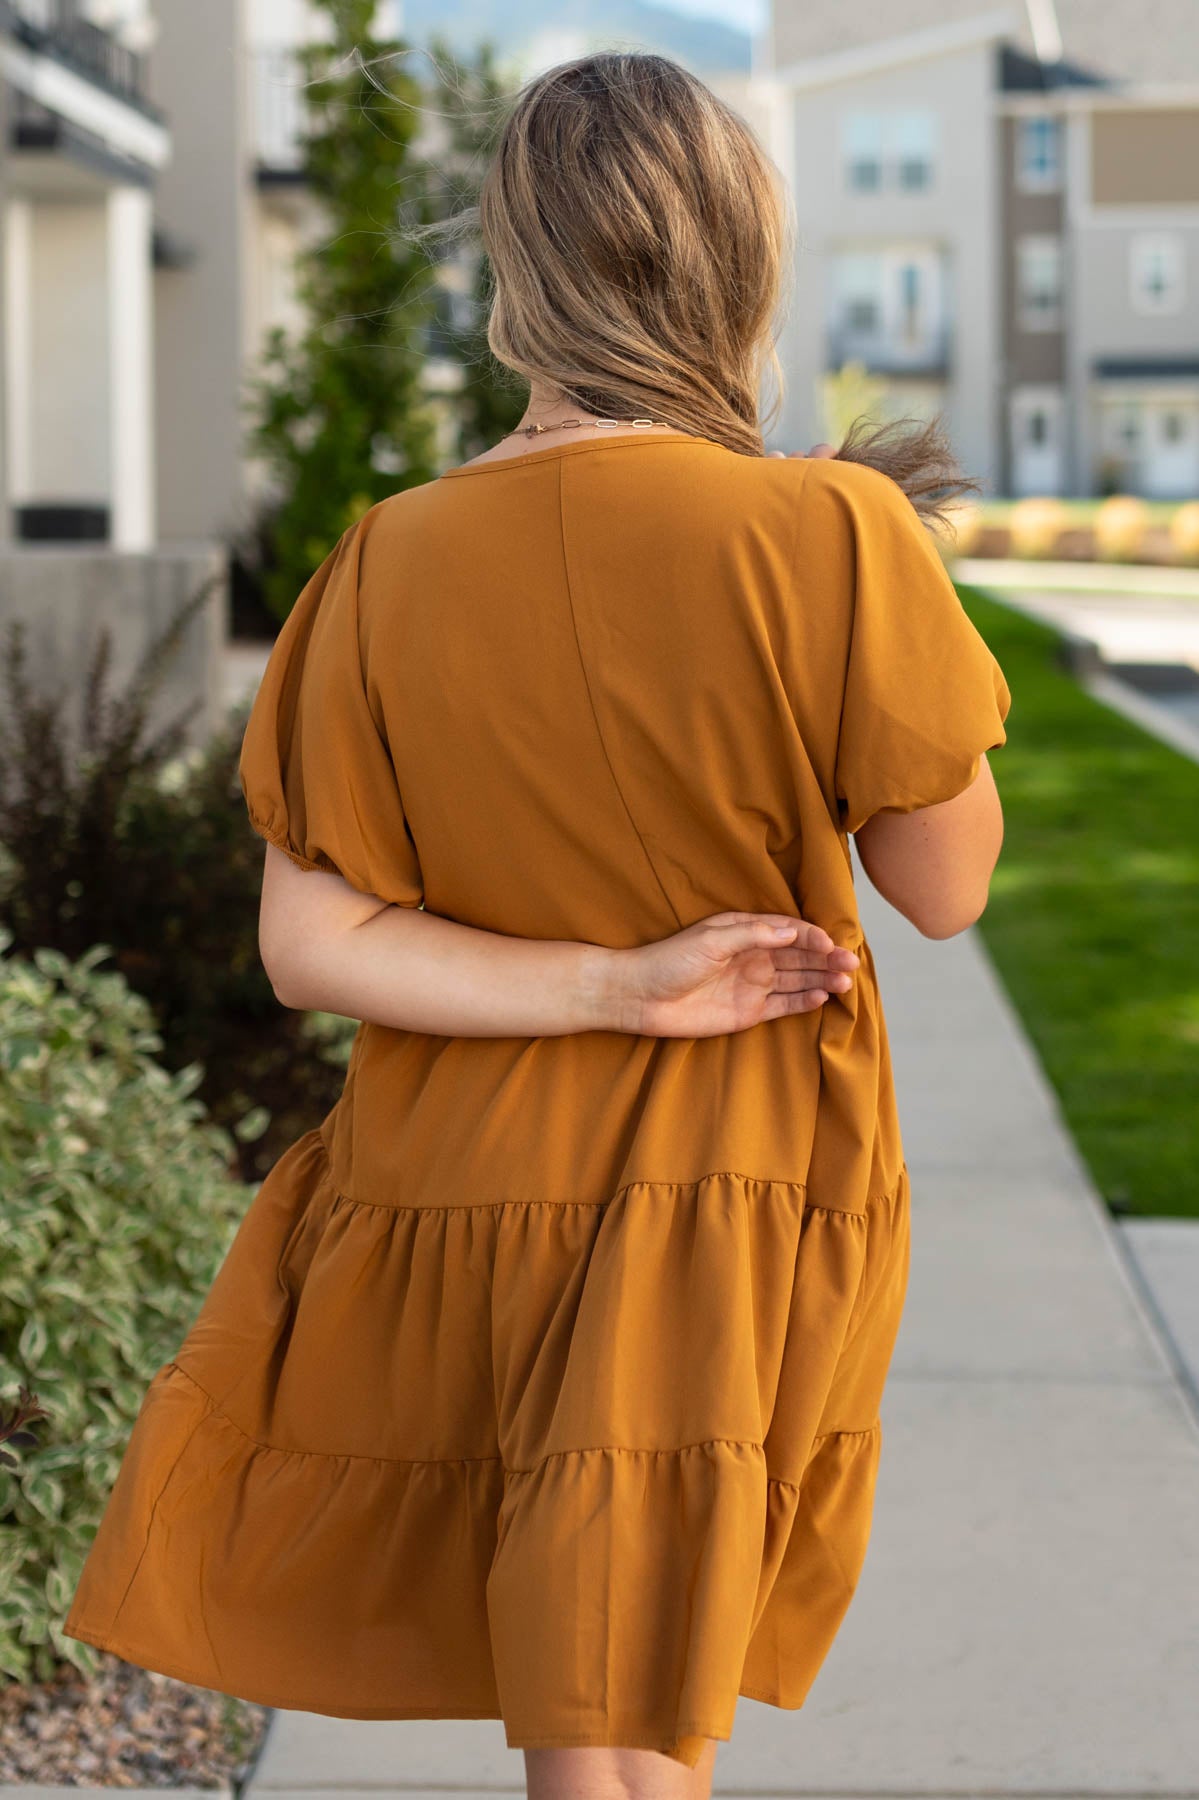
18, 349
131, 368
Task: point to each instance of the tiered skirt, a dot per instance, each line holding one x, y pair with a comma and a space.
592, 1468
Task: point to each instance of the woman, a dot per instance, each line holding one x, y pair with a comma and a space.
541, 1381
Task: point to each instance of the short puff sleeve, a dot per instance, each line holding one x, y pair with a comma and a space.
924, 697
315, 768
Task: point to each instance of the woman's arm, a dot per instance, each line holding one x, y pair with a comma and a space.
934, 864
328, 947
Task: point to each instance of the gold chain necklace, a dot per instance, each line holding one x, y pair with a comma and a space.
530, 430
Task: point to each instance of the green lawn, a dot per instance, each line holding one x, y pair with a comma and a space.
1093, 920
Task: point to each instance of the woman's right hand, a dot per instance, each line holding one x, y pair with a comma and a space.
728, 972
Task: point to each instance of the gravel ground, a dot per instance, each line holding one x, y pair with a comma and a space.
125, 1727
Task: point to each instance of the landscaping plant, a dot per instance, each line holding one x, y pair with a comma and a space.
1120, 526
340, 415
120, 1200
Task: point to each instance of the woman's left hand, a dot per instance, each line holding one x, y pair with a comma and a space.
726, 973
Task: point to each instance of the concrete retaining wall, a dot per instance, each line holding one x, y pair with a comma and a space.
67, 595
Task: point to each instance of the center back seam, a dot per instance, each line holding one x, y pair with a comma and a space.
599, 731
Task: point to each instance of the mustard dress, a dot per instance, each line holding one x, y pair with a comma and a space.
541, 1380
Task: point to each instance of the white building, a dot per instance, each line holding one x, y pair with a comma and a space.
152, 206
83, 147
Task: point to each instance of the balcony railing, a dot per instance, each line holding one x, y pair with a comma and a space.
61, 28
928, 354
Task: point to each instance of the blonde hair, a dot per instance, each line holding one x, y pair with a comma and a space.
640, 244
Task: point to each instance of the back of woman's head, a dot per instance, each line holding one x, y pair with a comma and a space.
640, 244
635, 240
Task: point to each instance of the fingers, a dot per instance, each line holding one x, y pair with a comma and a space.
777, 1005
818, 963
795, 943
833, 981
757, 931
841, 959
801, 932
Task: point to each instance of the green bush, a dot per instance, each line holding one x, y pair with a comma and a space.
120, 1201
128, 840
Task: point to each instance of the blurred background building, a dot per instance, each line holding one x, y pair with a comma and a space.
998, 212
153, 206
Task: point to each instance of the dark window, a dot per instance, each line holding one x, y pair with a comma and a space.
914, 174
862, 315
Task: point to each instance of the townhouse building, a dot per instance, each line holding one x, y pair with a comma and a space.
999, 217
83, 146
152, 203
998, 211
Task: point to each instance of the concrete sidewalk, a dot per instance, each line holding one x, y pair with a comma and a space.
1135, 631
1028, 1618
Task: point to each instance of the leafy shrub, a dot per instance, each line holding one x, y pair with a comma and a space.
120, 1202
1120, 526
1184, 533
1036, 525
845, 394
966, 523
128, 840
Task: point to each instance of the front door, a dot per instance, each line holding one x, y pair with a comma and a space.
1036, 427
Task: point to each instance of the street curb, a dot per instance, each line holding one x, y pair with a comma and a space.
1080, 655
72, 1793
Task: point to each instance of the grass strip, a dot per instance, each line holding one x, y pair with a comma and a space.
1093, 919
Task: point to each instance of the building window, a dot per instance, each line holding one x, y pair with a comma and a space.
1039, 283
888, 307
913, 141
862, 316
864, 152
1039, 154
1128, 430
891, 150
1157, 271
911, 312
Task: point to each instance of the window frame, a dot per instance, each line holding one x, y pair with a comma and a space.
1030, 176
1143, 245
884, 129
1029, 317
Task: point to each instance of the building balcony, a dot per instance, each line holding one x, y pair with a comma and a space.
61, 30
277, 96
929, 356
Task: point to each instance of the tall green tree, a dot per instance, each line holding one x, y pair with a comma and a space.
339, 413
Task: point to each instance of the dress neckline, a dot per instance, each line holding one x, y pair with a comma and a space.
624, 442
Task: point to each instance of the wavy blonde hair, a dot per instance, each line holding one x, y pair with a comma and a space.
640, 244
